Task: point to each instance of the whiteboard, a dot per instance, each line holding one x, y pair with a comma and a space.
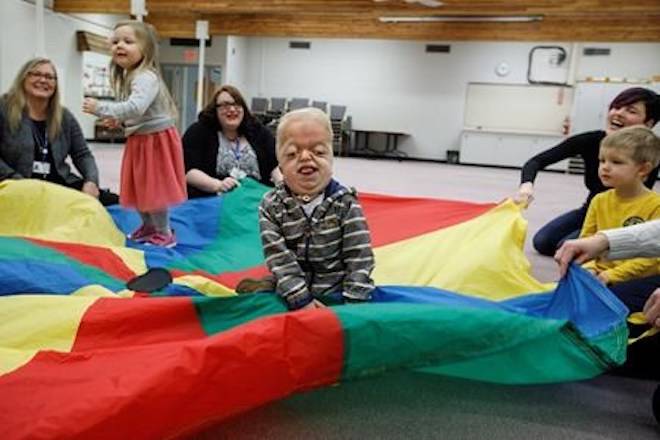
517, 108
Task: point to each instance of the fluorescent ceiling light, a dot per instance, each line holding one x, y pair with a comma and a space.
429, 3
463, 18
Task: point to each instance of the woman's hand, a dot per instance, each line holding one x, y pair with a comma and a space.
525, 194
202, 181
89, 105
580, 250
91, 189
652, 309
226, 184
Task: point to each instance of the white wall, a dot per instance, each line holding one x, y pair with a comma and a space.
4, 15
395, 85
626, 60
17, 45
215, 54
236, 65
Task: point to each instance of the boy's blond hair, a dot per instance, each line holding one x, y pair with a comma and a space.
307, 114
640, 142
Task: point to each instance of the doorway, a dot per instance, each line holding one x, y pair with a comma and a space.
181, 79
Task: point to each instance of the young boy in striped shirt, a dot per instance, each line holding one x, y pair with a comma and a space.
314, 233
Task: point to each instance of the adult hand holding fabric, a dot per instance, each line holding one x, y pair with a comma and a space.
227, 184
91, 188
652, 309
525, 194
580, 250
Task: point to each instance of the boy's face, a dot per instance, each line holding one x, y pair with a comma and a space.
618, 169
305, 157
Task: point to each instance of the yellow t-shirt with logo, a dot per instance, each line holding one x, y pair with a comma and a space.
608, 211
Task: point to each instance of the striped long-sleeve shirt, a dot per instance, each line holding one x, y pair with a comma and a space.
327, 252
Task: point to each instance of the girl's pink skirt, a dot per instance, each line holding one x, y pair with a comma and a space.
152, 171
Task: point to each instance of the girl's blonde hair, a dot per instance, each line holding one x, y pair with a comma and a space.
147, 41
16, 100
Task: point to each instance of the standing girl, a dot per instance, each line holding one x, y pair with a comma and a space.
152, 170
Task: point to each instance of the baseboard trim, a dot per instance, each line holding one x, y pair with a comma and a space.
421, 159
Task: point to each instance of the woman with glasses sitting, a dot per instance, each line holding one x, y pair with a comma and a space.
37, 134
227, 144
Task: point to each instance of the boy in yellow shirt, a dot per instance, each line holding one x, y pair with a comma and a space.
626, 157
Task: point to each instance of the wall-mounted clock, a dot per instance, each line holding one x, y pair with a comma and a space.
502, 69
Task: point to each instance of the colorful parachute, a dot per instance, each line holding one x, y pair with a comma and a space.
81, 356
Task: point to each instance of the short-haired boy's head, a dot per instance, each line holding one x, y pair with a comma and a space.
304, 150
640, 143
308, 114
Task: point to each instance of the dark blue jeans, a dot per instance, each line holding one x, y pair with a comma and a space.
634, 293
639, 362
555, 232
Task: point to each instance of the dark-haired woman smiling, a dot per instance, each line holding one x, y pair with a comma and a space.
226, 145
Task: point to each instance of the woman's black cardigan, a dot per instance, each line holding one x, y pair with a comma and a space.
200, 148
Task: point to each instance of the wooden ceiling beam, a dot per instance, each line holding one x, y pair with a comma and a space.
89, 41
565, 20
455, 7
353, 7
646, 28
92, 6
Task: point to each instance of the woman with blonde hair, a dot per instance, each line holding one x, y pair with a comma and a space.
37, 134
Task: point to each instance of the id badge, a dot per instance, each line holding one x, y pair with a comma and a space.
238, 173
39, 167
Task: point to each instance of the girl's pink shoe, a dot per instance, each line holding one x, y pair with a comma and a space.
142, 234
161, 239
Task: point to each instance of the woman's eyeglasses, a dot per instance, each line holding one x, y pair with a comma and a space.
45, 76
226, 106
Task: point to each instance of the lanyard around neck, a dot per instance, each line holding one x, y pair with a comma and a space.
235, 148
41, 141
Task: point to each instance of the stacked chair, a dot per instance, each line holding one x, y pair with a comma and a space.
269, 111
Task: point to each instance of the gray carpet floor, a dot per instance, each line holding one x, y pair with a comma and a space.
411, 405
